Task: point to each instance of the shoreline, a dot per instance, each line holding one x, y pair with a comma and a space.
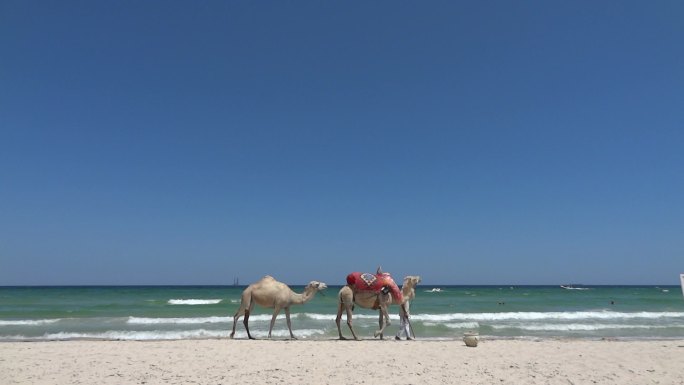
325, 361
387, 338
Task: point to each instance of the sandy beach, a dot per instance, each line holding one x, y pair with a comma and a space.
342, 362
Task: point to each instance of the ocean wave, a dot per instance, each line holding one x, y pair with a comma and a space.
325, 317
191, 320
159, 335
456, 325
193, 301
319, 317
582, 327
479, 317
215, 319
125, 335
37, 322
266, 317
538, 316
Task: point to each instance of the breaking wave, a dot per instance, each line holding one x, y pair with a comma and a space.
582, 327
37, 322
194, 301
538, 316
121, 335
185, 321
454, 325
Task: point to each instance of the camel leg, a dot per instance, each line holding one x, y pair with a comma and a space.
289, 325
381, 325
349, 322
338, 318
245, 306
345, 301
275, 314
239, 313
245, 321
342, 306
236, 318
384, 316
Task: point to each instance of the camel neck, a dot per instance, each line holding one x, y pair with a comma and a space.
302, 298
407, 292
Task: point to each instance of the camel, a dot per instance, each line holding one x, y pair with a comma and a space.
368, 299
269, 293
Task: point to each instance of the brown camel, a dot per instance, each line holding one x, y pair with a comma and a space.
269, 293
380, 300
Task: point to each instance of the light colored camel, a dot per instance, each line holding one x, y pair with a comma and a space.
269, 293
347, 297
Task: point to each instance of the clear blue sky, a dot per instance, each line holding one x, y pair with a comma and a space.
470, 142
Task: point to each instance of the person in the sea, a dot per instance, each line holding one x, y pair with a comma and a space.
404, 328
404, 325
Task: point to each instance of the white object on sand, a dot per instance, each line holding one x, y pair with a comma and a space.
471, 339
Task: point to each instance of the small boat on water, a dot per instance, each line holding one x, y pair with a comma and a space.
434, 290
571, 287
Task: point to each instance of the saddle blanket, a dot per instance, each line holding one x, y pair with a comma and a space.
375, 283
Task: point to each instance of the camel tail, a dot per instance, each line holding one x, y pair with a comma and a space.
339, 296
245, 303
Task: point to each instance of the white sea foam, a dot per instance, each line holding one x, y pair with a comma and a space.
326, 317
454, 325
160, 335
129, 335
318, 316
36, 322
266, 317
537, 316
193, 301
582, 327
192, 320
201, 320
480, 317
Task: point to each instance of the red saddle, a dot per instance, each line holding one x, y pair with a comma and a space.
375, 283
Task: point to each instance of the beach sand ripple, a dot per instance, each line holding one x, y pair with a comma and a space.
342, 362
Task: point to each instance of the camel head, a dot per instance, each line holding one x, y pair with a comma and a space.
411, 280
316, 286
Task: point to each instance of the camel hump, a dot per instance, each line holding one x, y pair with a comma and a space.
267, 278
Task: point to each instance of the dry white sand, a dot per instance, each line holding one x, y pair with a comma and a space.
342, 362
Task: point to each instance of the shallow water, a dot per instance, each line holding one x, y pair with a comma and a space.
438, 312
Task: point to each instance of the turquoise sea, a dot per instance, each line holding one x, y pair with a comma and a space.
438, 312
